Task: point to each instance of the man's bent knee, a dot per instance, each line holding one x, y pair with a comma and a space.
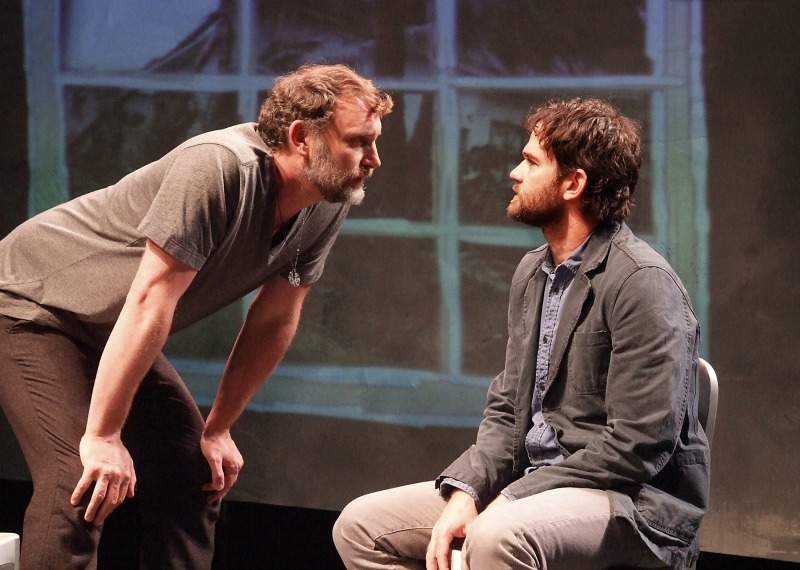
493, 541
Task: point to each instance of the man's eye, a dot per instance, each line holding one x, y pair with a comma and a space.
360, 143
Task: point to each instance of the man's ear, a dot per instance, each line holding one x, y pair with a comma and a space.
573, 184
296, 137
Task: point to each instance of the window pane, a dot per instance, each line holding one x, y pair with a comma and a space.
564, 37
492, 139
210, 339
112, 132
486, 273
153, 35
376, 305
376, 37
402, 186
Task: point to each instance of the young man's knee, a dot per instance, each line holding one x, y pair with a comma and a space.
485, 532
348, 523
492, 536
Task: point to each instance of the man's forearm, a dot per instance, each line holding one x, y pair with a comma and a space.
137, 338
266, 334
252, 361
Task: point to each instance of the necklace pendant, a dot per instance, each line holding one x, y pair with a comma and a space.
294, 278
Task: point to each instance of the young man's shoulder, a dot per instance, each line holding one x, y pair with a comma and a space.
625, 245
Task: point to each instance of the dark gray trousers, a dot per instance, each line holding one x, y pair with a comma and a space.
45, 388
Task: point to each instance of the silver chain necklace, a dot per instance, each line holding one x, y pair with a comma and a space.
294, 276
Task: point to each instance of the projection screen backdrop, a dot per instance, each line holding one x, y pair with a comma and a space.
402, 335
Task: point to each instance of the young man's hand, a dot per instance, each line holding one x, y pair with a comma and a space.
454, 522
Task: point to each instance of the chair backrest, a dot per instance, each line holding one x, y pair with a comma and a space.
709, 398
9, 551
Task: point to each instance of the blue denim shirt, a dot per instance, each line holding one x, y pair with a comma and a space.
541, 439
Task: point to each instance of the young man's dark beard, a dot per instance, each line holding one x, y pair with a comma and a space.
335, 184
538, 210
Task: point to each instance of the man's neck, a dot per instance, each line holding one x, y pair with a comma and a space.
566, 235
294, 190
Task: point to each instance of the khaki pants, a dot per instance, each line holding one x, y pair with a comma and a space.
45, 388
562, 529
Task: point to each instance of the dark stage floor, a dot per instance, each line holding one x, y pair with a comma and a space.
254, 536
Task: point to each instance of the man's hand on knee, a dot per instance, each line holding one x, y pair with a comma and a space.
225, 462
108, 465
454, 522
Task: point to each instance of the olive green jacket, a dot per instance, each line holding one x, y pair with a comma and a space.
621, 394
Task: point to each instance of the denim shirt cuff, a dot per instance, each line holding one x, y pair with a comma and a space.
448, 484
508, 495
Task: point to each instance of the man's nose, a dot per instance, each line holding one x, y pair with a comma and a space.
371, 157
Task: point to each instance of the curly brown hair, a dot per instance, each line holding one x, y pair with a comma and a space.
594, 136
310, 94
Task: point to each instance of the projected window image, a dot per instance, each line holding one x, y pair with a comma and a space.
408, 323
575, 37
383, 38
132, 128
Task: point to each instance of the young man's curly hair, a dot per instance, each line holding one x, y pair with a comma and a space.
594, 136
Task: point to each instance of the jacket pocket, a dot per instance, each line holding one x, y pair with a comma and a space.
587, 364
671, 521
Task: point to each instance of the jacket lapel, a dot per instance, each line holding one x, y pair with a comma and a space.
532, 302
595, 254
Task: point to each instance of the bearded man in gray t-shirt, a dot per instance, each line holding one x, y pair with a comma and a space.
91, 289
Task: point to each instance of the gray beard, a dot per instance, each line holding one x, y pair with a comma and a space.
341, 194
335, 185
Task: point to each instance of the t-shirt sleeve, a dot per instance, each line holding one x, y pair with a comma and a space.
188, 217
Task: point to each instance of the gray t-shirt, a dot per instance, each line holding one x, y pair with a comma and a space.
210, 203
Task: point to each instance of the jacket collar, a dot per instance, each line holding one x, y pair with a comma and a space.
599, 245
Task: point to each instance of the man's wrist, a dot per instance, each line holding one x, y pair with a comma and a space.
211, 431
449, 485
508, 494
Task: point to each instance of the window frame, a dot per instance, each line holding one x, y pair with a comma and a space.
678, 148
